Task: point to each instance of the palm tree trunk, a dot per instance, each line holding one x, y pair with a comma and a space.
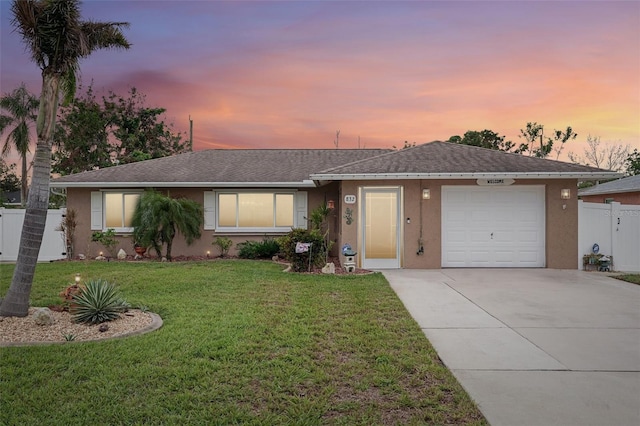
16, 302
23, 182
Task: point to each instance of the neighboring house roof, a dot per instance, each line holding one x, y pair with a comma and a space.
445, 160
221, 167
628, 184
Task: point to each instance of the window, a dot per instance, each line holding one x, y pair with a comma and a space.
258, 211
255, 210
113, 210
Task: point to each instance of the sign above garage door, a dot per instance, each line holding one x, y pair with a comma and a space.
493, 227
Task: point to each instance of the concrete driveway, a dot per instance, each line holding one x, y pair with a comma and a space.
533, 346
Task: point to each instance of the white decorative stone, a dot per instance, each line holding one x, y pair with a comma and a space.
164, 259
43, 316
137, 257
81, 256
122, 255
329, 268
101, 258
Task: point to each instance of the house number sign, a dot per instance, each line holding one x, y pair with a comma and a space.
349, 199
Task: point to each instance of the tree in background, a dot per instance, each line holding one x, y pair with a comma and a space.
57, 39
138, 130
116, 130
484, 139
22, 108
536, 145
81, 138
9, 182
603, 156
633, 163
158, 218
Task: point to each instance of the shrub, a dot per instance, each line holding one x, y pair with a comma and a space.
223, 244
300, 261
98, 302
264, 249
107, 239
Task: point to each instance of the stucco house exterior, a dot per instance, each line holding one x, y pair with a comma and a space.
623, 191
430, 206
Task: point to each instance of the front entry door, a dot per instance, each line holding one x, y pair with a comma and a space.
381, 231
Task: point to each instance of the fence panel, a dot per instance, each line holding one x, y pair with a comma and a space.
615, 228
628, 239
53, 246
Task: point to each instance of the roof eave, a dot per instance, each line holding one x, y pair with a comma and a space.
530, 175
607, 192
303, 184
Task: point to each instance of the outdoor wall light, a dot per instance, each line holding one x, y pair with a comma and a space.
426, 194
331, 204
565, 194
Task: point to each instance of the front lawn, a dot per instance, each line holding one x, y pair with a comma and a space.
242, 342
631, 278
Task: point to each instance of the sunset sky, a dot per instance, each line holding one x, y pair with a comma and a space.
290, 74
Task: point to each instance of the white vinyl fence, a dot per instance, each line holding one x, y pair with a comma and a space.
53, 245
615, 228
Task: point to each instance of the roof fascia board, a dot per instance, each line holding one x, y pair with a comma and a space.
303, 184
609, 191
531, 175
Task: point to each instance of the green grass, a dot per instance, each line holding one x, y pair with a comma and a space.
242, 343
632, 278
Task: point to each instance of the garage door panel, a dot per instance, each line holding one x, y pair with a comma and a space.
456, 236
478, 236
480, 258
493, 227
505, 236
529, 237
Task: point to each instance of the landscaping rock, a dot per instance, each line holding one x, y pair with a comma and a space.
329, 268
122, 255
101, 258
81, 256
43, 316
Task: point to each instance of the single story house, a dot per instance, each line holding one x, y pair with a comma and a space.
623, 191
434, 205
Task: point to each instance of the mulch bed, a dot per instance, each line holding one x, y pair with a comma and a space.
315, 270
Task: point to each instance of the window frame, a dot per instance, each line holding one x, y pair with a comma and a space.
117, 229
254, 230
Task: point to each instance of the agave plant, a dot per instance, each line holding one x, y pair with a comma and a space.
98, 302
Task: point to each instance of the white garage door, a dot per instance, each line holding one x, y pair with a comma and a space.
490, 227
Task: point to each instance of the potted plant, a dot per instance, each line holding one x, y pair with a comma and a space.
139, 249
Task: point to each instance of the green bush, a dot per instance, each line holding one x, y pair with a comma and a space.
264, 249
300, 261
223, 244
98, 302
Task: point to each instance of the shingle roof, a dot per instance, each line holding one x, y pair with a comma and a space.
296, 167
628, 184
246, 166
445, 159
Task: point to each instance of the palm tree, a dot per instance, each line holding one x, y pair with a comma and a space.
22, 109
158, 218
57, 39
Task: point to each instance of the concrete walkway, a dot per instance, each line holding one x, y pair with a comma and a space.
533, 346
